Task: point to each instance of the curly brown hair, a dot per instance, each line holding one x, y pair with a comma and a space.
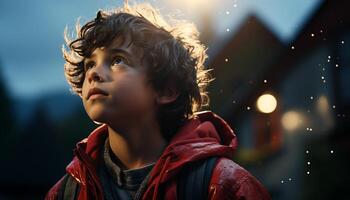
173, 52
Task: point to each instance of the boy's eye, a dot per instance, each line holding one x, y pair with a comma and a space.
89, 65
119, 60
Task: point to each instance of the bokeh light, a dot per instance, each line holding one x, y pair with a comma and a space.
266, 103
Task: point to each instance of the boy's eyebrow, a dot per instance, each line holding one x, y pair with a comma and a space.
120, 50
112, 50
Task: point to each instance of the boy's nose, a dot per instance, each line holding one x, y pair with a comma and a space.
96, 77
95, 74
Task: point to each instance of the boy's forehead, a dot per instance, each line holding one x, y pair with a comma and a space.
124, 43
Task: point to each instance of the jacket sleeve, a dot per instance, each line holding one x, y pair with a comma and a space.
230, 181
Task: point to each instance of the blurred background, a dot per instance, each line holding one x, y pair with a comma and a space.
282, 82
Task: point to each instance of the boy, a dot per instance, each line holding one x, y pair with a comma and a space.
143, 79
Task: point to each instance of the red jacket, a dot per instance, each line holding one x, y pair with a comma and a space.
204, 136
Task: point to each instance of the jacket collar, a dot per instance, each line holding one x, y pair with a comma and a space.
203, 136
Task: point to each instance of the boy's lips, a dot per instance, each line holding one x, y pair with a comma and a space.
96, 91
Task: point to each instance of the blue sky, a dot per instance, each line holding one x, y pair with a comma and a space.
31, 33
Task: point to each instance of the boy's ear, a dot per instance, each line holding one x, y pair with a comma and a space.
169, 94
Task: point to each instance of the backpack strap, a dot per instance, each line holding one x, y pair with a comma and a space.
69, 188
194, 180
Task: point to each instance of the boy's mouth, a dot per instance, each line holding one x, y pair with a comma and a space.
96, 91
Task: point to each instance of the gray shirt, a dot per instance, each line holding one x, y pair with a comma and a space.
121, 183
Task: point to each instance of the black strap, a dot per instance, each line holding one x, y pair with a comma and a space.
69, 188
60, 191
194, 180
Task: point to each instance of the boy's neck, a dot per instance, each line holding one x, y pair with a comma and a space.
137, 147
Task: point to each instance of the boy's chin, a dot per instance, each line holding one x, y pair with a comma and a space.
97, 117
98, 123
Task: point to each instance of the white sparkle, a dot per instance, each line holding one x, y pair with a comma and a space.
308, 163
293, 47
324, 81
290, 179
329, 57
323, 69
333, 106
307, 151
310, 129
312, 35
248, 108
235, 5
227, 12
342, 42
311, 97
321, 31
265, 81
308, 172
307, 129
226, 59
328, 60
336, 65
227, 29
331, 151
322, 77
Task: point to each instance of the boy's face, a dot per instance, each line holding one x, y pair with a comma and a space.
116, 88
